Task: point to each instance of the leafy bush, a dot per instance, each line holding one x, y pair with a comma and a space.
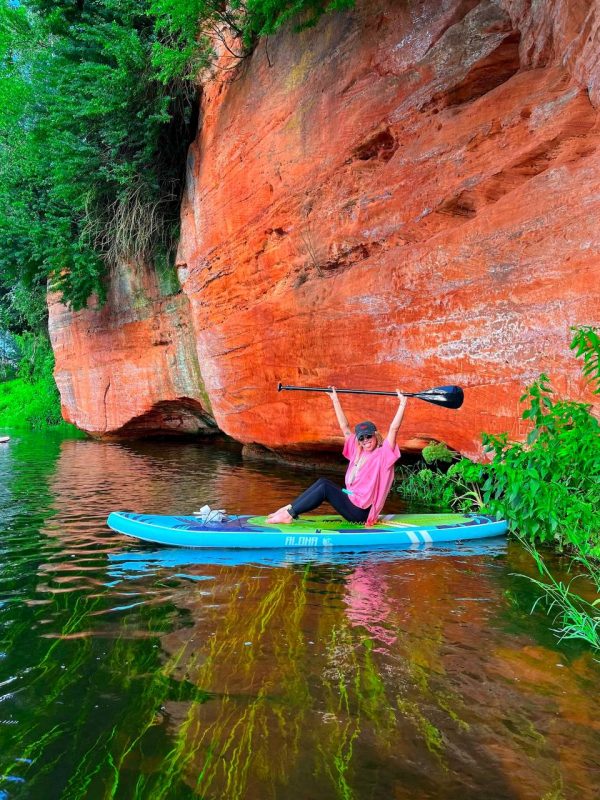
36, 359
549, 487
586, 343
26, 404
425, 486
23, 307
31, 400
438, 452
457, 489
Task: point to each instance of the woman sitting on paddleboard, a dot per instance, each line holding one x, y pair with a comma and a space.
368, 478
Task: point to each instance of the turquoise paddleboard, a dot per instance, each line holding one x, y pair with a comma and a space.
324, 531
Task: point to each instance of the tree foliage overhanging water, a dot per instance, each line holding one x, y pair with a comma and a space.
98, 105
97, 110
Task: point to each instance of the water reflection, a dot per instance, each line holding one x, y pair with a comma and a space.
138, 558
166, 478
137, 673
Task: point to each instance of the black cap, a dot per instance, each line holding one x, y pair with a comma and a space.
365, 429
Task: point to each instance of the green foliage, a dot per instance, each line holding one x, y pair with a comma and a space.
97, 109
457, 489
36, 357
31, 400
586, 343
186, 34
438, 452
92, 144
549, 487
424, 486
265, 17
29, 405
23, 307
191, 33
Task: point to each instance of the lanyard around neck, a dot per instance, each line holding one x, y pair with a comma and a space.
357, 467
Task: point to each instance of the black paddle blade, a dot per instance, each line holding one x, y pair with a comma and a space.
446, 396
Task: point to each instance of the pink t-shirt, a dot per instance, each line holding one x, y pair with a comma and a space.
371, 483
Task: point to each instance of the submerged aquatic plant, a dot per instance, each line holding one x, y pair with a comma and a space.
574, 616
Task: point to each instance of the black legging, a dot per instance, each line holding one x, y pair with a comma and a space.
322, 490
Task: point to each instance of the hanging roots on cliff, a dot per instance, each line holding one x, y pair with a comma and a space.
134, 226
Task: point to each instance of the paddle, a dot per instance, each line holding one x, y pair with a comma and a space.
446, 396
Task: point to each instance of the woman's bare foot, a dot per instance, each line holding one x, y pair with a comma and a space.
281, 516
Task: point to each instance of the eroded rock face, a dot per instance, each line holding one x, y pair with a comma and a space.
130, 368
406, 196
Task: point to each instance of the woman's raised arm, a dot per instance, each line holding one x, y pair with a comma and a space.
397, 421
339, 412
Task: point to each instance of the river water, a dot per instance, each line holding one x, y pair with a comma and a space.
128, 672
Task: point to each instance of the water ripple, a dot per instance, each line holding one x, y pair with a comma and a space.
131, 672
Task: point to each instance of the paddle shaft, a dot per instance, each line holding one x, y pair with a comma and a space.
440, 390
445, 396
281, 387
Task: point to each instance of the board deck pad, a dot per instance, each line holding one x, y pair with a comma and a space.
332, 522
327, 530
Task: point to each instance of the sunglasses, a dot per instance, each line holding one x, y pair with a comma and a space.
365, 437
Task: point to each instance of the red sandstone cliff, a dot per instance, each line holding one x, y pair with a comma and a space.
130, 367
407, 195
